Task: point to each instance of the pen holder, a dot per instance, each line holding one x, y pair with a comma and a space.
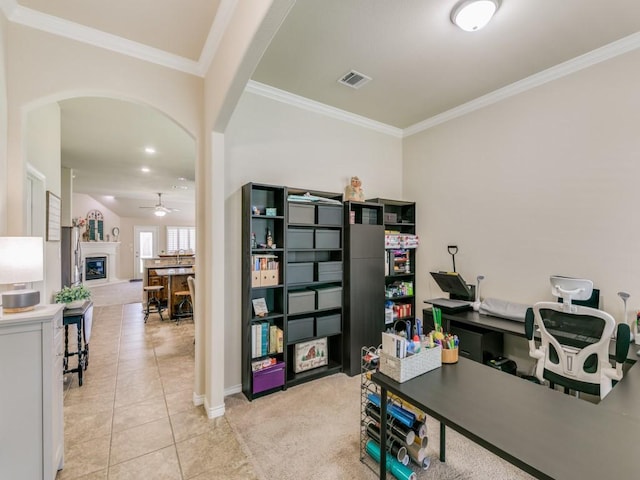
450, 355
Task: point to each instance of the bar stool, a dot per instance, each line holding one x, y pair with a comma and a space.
153, 301
185, 302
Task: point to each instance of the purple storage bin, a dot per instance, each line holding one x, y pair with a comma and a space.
268, 378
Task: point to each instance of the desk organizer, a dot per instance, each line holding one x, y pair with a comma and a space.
403, 369
450, 355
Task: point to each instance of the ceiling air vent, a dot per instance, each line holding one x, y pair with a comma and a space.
354, 79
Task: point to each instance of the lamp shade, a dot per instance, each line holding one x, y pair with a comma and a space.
21, 260
472, 15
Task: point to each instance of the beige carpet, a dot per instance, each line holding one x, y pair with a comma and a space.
116, 293
311, 432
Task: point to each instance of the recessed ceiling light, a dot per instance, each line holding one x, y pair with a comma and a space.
149, 150
472, 15
179, 187
109, 197
145, 169
182, 179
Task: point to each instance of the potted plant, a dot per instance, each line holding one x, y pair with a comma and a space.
73, 297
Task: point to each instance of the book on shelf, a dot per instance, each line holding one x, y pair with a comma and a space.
264, 262
266, 339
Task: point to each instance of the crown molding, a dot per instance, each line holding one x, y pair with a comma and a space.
320, 108
218, 27
74, 31
606, 52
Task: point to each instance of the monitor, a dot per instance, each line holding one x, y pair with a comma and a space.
453, 284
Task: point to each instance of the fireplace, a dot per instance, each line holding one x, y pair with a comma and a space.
95, 268
108, 269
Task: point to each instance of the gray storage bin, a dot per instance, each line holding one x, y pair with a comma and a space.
329, 297
327, 238
328, 325
299, 273
299, 329
299, 238
329, 271
329, 214
301, 301
302, 213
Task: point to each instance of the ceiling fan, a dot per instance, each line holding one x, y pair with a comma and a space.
159, 210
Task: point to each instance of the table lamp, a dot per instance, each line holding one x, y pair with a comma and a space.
21, 262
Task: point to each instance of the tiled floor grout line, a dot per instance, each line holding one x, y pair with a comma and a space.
115, 390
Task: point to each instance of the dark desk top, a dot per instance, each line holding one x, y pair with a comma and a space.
544, 432
469, 317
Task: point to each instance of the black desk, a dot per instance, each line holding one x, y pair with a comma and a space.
544, 432
82, 318
501, 325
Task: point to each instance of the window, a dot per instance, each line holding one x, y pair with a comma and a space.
181, 238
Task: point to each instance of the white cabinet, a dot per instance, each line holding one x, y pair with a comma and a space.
31, 394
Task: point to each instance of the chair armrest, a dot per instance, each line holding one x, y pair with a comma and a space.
529, 324
623, 339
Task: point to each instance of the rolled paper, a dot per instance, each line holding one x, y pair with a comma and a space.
393, 444
405, 416
398, 429
421, 442
426, 463
416, 453
405, 461
420, 428
397, 469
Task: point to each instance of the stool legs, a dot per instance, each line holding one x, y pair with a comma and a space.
180, 310
153, 301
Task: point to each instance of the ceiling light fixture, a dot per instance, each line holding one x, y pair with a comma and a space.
145, 169
159, 213
472, 15
149, 150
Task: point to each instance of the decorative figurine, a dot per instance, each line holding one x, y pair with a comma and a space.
269, 239
354, 191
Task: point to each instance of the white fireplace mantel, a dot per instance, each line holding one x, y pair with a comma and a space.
101, 249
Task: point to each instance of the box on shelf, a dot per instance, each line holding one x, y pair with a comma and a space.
329, 214
299, 238
301, 213
390, 217
255, 278
299, 273
269, 278
269, 377
299, 329
329, 297
328, 325
310, 355
327, 238
403, 369
301, 301
329, 271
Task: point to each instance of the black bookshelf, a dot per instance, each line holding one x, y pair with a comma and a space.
364, 281
304, 296
399, 218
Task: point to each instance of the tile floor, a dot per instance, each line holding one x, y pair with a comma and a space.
134, 416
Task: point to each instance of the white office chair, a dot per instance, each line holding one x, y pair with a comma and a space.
574, 344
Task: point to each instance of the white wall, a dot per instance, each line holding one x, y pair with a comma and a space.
542, 183
43, 153
274, 143
3, 125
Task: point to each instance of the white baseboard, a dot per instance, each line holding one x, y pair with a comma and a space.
213, 412
198, 399
233, 390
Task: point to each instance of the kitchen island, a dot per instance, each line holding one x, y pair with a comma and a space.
171, 272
